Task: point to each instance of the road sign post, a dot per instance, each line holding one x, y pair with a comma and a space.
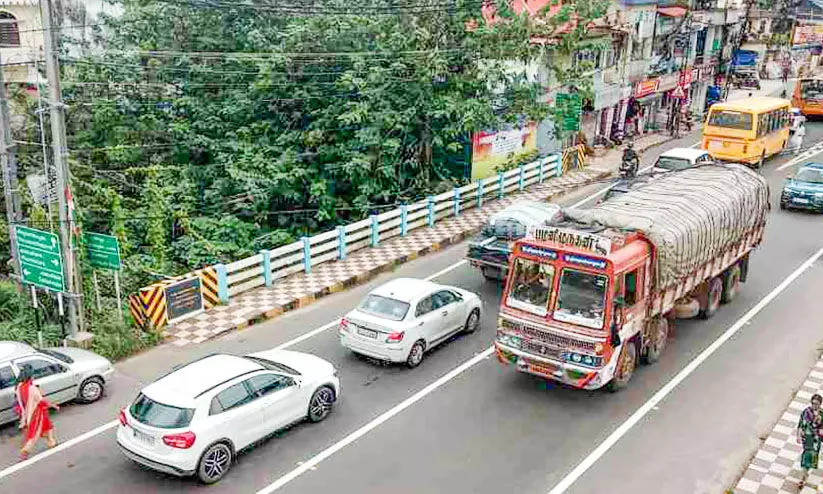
40, 261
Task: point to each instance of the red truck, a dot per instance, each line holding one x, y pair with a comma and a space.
590, 296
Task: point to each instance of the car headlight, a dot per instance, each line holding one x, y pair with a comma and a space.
509, 340
583, 359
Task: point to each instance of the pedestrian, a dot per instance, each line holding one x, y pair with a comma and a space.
34, 413
808, 434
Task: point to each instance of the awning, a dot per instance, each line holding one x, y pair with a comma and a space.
671, 11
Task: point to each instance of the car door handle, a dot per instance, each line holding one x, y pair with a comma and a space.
445, 313
421, 323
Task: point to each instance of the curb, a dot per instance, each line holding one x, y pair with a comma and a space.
257, 318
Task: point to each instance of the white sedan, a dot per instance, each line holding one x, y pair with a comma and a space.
403, 319
681, 159
194, 420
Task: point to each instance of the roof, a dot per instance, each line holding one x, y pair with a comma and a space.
13, 349
404, 289
684, 153
181, 386
752, 104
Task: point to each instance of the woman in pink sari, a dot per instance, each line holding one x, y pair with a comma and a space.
34, 413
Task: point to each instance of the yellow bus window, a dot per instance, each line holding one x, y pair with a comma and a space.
731, 119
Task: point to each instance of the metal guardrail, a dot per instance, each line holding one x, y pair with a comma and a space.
268, 266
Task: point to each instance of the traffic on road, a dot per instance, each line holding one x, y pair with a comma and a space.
235, 411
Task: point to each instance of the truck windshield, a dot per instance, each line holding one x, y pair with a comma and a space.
530, 286
581, 298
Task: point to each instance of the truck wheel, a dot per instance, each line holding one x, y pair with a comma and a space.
714, 292
625, 367
731, 284
659, 336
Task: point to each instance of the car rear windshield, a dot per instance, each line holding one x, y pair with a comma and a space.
384, 307
668, 163
149, 412
272, 365
731, 119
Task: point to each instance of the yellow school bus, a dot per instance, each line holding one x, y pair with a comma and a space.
748, 130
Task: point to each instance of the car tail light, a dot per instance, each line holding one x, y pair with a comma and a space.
122, 417
395, 337
180, 441
745, 148
344, 324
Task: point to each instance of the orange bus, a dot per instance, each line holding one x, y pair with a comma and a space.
808, 96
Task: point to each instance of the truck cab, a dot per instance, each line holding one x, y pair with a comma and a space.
572, 301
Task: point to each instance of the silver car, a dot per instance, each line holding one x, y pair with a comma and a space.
64, 374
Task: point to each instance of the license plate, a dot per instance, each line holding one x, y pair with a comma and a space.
800, 201
542, 369
369, 333
143, 437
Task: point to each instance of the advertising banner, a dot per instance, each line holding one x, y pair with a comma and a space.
490, 149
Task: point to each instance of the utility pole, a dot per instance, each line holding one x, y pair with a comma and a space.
59, 149
737, 43
9, 163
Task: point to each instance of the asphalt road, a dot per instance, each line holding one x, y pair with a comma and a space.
489, 428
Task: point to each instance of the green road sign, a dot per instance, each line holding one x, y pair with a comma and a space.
40, 260
103, 251
570, 109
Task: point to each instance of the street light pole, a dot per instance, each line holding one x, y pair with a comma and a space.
59, 149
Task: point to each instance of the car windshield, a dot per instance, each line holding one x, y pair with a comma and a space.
731, 119
669, 163
59, 356
149, 412
388, 308
581, 298
272, 365
530, 286
810, 175
811, 90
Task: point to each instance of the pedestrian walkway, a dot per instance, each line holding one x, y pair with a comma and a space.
775, 468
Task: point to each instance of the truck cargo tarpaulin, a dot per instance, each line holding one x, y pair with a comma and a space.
691, 216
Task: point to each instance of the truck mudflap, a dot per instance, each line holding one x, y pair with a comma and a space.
565, 373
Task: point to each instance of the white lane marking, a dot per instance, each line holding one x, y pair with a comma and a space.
618, 433
695, 144
809, 153
60, 447
352, 437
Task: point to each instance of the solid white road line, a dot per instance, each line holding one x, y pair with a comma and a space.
808, 154
618, 433
352, 437
60, 447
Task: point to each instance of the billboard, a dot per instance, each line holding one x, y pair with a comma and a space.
810, 34
493, 148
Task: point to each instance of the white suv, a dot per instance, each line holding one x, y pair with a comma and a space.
194, 420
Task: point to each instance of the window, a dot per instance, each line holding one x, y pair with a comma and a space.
530, 286
424, 306
272, 365
581, 298
39, 368
9, 33
809, 175
388, 308
670, 163
231, 397
632, 290
149, 412
268, 383
7, 378
443, 298
731, 119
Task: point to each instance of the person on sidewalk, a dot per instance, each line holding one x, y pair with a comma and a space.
808, 434
34, 413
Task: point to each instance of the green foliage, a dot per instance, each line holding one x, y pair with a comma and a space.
17, 319
116, 340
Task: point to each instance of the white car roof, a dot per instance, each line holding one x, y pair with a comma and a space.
181, 387
13, 349
690, 154
405, 289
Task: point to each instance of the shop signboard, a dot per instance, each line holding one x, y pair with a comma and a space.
644, 88
667, 82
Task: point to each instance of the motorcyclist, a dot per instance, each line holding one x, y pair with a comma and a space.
631, 161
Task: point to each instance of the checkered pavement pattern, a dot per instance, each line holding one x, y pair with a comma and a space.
775, 469
300, 289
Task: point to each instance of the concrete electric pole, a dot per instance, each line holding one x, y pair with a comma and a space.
59, 149
9, 164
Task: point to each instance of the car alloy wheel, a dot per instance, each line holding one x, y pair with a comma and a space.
473, 322
91, 390
320, 404
215, 463
415, 354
